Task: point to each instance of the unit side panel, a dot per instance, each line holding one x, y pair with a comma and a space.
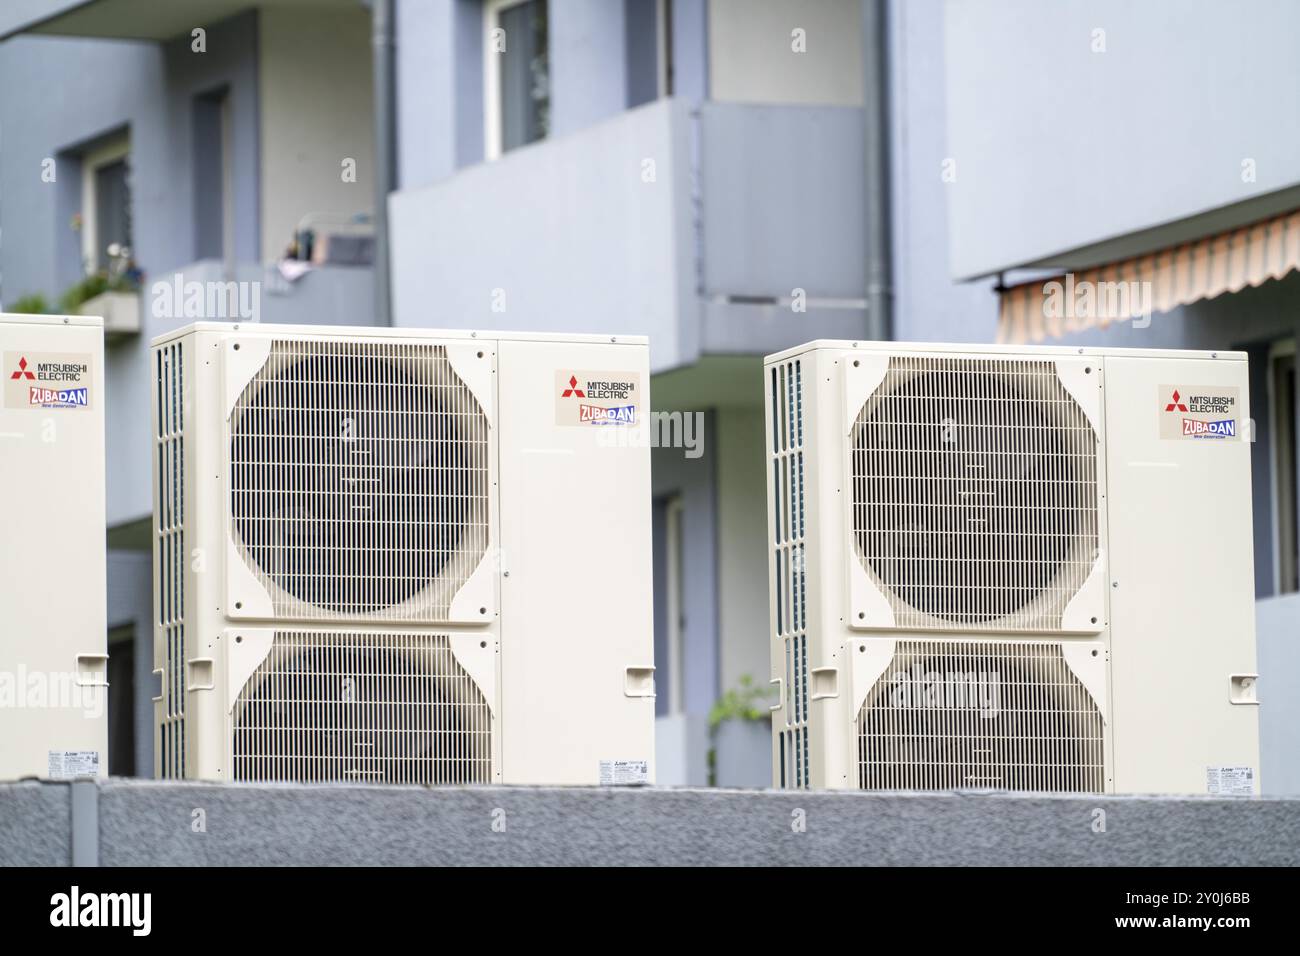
577, 642
1182, 597
52, 565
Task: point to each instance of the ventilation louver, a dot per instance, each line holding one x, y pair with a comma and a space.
974, 493
359, 480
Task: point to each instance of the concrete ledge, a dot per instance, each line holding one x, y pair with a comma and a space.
144, 823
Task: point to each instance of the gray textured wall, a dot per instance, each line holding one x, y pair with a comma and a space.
145, 823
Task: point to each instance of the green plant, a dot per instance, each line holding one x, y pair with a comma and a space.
92, 285
32, 304
745, 702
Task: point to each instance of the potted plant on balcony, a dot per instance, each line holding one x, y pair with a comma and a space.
113, 293
741, 725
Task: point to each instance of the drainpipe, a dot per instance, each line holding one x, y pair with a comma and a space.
875, 108
382, 32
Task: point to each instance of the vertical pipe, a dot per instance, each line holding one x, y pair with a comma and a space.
875, 109
382, 34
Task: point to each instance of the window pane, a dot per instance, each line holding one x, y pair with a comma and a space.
525, 75
112, 210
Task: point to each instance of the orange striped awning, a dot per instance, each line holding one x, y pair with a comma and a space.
1156, 282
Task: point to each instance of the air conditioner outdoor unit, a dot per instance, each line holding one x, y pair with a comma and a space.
53, 631
402, 556
1011, 568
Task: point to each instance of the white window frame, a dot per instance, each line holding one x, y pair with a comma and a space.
1279, 349
92, 161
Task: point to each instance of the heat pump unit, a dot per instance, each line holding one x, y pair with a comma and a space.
53, 634
402, 556
1013, 569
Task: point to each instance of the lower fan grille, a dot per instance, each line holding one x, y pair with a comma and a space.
949, 715
381, 708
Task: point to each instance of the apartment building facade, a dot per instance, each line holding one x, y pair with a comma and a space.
694, 170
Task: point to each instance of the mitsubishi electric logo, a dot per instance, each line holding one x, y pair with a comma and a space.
47, 380
587, 398
1199, 412
130, 910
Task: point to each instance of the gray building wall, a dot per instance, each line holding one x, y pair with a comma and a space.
1059, 146
929, 304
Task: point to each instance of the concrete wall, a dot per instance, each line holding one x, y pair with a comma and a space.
646, 220
439, 88
1059, 146
152, 824
929, 305
317, 109
1277, 631
752, 60
742, 544
588, 62
782, 201
570, 230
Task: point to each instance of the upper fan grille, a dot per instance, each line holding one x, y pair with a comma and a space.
359, 479
974, 488
950, 715
381, 708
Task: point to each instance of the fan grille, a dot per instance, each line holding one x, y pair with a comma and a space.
974, 490
382, 708
950, 715
359, 480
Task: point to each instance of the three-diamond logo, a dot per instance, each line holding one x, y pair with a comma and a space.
22, 370
573, 389
1176, 403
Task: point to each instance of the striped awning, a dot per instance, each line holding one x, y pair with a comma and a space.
1156, 282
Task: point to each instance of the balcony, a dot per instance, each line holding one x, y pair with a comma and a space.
696, 224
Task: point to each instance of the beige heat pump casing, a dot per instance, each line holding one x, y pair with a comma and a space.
402, 556
53, 637
1011, 568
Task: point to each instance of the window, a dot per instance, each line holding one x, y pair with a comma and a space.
517, 103
1282, 398
649, 50
213, 178
105, 203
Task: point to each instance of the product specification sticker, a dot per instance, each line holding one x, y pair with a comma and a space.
1200, 412
1230, 781
47, 380
597, 398
73, 764
624, 773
